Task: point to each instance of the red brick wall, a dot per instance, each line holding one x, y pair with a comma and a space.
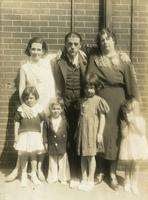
21, 20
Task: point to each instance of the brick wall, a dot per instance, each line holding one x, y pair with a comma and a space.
121, 18
21, 20
51, 19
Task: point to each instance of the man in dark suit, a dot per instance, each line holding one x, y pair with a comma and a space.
69, 72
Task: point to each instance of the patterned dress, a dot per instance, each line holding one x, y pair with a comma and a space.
88, 124
118, 83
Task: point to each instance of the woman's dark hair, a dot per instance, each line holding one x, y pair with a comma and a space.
30, 90
73, 34
109, 33
36, 40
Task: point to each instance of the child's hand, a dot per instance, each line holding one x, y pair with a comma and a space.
99, 138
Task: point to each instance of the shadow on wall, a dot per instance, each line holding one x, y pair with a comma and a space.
8, 155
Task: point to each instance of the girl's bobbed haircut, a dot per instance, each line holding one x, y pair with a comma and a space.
109, 33
56, 101
30, 90
91, 79
36, 40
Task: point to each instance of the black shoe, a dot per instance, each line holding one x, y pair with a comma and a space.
114, 184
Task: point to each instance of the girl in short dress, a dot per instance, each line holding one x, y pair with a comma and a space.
28, 134
133, 147
56, 129
90, 130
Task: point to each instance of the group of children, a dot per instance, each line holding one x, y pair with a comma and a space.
42, 133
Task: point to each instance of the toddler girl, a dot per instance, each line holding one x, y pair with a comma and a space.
90, 130
133, 143
28, 134
56, 129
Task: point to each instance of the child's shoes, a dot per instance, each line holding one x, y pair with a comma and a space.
86, 185
83, 186
64, 182
24, 180
35, 179
50, 181
127, 187
135, 189
90, 185
74, 183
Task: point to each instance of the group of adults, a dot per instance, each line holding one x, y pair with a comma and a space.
64, 75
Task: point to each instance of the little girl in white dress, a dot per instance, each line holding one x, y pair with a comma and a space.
133, 146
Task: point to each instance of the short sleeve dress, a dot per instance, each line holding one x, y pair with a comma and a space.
88, 124
118, 83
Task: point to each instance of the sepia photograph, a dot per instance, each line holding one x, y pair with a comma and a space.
73, 99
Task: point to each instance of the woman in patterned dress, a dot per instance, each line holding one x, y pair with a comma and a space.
117, 75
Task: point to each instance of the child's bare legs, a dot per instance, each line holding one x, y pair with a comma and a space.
14, 174
87, 163
34, 178
127, 186
24, 164
84, 168
134, 177
40, 162
91, 168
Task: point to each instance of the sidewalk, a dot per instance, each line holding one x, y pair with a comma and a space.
13, 190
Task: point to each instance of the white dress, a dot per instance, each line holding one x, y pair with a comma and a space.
29, 140
40, 76
133, 144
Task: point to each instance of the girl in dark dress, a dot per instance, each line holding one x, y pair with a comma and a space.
117, 75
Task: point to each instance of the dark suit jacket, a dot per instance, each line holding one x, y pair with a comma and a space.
60, 72
57, 141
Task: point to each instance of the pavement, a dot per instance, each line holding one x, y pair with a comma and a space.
57, 191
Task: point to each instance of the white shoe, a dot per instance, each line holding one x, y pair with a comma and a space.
24, 180
83, 185
135, 189
50, 181
127, 187
35, 179
64, 182
90, 185
74, 183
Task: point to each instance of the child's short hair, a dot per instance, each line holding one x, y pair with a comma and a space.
91, 79
30, 90
128, 106
55, 101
